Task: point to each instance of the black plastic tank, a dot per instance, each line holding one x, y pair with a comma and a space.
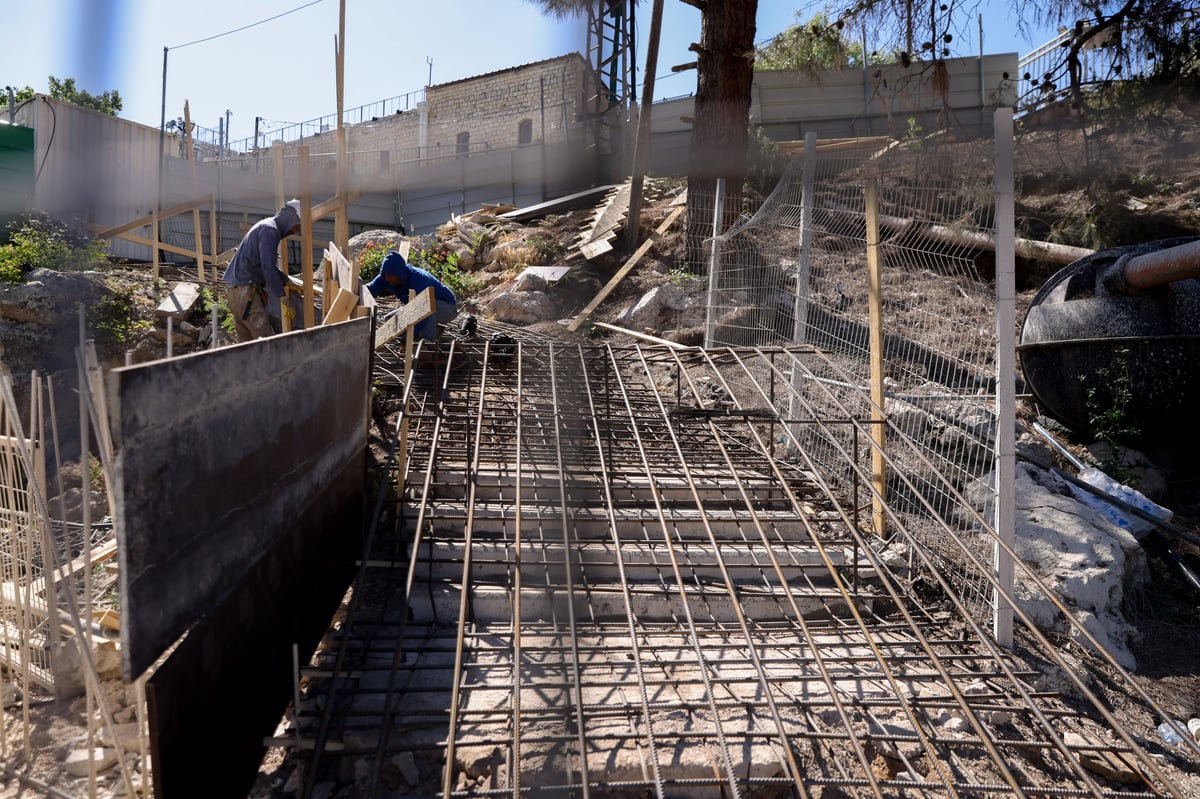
1111, 343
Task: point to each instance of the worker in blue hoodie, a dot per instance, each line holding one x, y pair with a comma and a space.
253, 274
399, 278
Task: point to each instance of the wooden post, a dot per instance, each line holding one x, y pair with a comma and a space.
191, 159
341, 222
875, 303
154, 254
306, 240
277, 156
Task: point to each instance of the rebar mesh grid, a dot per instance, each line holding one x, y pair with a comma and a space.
600, 581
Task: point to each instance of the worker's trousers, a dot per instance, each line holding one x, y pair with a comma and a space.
249, 309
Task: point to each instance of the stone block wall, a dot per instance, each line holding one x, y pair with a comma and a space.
490, 108
486, 110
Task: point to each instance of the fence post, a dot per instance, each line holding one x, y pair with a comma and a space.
1006, 402
875, 334
803, 267
713, 261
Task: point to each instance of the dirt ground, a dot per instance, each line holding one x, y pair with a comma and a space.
1128, 181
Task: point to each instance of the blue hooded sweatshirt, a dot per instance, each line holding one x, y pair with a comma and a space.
413, 278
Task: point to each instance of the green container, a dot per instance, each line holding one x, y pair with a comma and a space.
16, 175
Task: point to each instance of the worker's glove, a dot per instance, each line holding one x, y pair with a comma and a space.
285, 308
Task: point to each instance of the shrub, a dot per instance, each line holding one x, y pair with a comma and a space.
210, 299
115, 320
370, 257
39, 242
442, 262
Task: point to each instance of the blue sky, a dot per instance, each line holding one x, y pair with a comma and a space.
283, 70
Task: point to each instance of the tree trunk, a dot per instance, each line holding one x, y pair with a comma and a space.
725, 74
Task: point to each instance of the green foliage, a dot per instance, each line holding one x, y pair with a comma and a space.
95, 473
812, 46
1108, 396
914, 133
547, 247
370, 258
21, 96
210, 299
114, 318
39, 242
108, 102
485, 239
681, 277
442, 262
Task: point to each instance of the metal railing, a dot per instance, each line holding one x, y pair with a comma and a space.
1045, 75
299, 130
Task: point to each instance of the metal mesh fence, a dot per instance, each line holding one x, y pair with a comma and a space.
797, 273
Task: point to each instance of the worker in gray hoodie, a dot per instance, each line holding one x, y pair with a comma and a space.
253, 275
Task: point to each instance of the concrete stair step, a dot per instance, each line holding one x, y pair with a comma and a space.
440, 602
498, 519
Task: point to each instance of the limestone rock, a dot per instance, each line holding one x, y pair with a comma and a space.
524, 307
46, 295
121, 736
1087, 560
77, 761
10, 695
180, 303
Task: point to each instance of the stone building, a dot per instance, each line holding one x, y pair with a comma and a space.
549, 102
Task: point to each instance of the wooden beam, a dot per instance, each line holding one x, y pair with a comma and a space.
324, 209
136, 239
675, 345
306, 237
875, 336
191, 159
419, 307
280, 199
626, 268
341, 307
142, 221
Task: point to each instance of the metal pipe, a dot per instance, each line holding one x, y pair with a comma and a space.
1134, 274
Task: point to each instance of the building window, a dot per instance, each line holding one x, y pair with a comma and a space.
525, 132
462, 145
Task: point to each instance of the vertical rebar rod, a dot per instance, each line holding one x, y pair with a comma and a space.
602, 445
568, 569
704, 667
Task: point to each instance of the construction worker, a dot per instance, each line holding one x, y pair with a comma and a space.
253, 274
399, 278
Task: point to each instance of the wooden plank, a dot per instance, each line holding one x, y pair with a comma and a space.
675, 345
162, 245
142, 221
343, 270
417, 308
324, 209
98, 555
343, 305
560, 204
597, 247
626, 268
611, 217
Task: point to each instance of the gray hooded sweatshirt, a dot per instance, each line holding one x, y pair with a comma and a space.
255, 261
